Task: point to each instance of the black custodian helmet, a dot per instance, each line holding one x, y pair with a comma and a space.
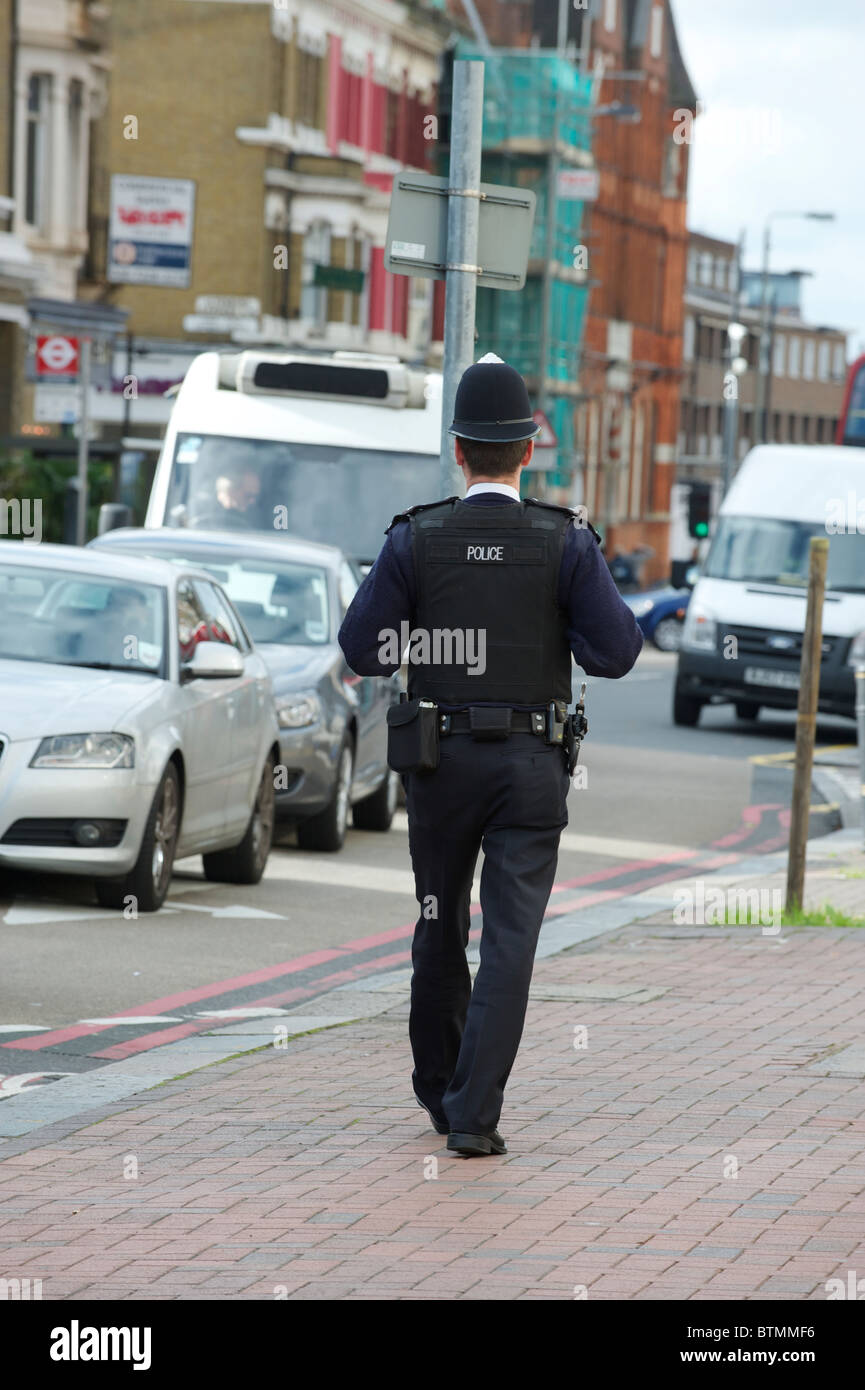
492, 403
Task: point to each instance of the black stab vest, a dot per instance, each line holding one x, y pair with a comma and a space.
493, 569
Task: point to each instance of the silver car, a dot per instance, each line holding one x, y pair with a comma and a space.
292, 595
136, 724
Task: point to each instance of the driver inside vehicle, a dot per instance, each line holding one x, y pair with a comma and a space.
234, 501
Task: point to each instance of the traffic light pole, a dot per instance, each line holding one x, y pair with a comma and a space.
699, 510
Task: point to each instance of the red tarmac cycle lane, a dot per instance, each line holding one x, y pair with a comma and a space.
762, 829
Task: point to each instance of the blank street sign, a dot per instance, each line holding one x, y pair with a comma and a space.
417, 231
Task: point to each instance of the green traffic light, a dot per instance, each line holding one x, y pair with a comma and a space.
701, 528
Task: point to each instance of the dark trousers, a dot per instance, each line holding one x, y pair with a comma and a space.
508, 798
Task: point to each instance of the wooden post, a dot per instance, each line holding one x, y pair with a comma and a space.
806, 721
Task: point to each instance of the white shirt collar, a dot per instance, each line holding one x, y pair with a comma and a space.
504, 488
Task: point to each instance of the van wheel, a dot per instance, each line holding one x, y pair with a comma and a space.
148, 882
748, 712
376, 812
326, 831
686, 709
247, 861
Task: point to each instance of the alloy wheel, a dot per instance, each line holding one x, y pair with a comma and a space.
343, 790
165, 834
263, 815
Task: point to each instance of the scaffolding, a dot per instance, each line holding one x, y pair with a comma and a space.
537, 121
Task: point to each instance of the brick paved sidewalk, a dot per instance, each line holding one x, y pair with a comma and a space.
706, 1141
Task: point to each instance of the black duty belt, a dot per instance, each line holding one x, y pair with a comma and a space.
521, 722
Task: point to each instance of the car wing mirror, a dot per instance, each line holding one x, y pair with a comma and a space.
212, 661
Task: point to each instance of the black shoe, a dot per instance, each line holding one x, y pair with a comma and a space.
471, 1145
438, 1117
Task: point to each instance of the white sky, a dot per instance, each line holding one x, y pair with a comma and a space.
782, 84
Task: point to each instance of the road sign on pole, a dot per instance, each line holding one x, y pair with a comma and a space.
417, 229
462, 231
547, 439
56, 356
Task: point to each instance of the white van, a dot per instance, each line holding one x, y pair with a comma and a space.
325, 446
742, 639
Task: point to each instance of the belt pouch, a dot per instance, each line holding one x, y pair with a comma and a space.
488, 725
413, 736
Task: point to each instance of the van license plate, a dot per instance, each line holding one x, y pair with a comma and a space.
759, 675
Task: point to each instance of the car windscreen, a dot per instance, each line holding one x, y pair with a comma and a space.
286, 603
344, 496
73, 619
772, 550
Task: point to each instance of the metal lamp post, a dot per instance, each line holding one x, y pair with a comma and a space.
760, 422
736, 367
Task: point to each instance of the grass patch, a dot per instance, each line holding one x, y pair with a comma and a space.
824, 916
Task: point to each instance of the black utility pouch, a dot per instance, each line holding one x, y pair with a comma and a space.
413, 736
487, 725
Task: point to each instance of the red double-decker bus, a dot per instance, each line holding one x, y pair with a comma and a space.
851, 423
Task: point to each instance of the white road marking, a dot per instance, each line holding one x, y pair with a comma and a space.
607, 846
235, 910
36, 915
25, 1027
33, 916
263, 1012
140, 1018
20, 1081
300, 868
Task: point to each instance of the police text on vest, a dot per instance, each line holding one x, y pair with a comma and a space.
485, 552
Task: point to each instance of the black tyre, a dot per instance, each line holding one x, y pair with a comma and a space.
686, 709
376, 812
247, 861
148, 882
667, 635
326, 831
748, 712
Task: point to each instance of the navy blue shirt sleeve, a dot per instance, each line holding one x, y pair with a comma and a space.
384, 601
602, 630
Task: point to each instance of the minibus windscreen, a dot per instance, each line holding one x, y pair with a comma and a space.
343, 496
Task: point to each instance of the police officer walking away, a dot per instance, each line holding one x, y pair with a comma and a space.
497, 594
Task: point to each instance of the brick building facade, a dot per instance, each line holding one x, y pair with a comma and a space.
291, 120
808, 370
637, 252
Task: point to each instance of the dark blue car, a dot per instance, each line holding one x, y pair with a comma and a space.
660, 615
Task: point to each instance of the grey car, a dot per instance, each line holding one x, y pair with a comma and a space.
291, 594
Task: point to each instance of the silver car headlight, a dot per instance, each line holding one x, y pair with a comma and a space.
94, 751
298, 711
700, 633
